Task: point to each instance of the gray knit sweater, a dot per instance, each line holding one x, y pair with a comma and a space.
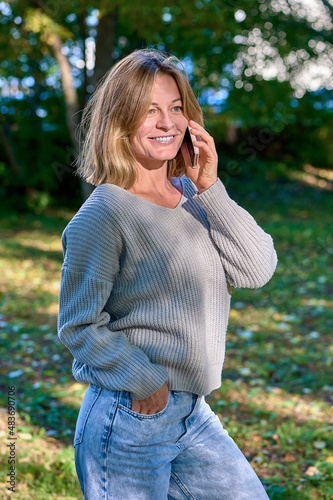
144, 293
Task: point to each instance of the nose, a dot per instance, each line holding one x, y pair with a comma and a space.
165, 121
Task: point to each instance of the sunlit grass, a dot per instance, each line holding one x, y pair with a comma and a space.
313, 176
45, 467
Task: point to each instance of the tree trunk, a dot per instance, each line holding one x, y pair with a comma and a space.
70, 94
103, 61
83, 35
10, 153
104, 45
231, 135
72, 104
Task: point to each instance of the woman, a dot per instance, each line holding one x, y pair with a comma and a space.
149, 261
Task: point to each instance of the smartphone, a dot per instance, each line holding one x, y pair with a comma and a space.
190, 153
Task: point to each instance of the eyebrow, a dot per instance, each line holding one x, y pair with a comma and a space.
174, 100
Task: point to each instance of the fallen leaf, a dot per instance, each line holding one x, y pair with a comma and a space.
76, 387
25, 435
289, 457
319, 445
311, 471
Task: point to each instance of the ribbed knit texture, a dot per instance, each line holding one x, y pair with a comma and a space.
144, 297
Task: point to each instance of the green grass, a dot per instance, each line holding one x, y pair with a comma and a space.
277, 392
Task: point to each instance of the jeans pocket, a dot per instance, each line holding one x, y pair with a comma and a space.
142, 416
88, 402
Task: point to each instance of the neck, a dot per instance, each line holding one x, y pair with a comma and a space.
151, 181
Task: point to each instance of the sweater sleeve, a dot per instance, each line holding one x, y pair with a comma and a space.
247, 252
92, 249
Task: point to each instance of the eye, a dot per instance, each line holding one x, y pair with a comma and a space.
178, 108
151, 111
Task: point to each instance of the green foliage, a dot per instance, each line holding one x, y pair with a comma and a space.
216, 48
44, 155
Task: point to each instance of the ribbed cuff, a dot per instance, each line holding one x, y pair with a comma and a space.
143, 383
147, 381
216, 194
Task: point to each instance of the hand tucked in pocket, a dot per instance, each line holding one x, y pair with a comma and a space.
154, 403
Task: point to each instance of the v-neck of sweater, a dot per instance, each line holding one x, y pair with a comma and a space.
143, 200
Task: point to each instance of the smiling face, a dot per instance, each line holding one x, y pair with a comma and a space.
160, 134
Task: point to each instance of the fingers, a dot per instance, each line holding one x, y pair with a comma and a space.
206, 175
208, 150
195, 126
154, 403
201, 134
146, 408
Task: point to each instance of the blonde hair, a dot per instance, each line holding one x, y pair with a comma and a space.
115, 111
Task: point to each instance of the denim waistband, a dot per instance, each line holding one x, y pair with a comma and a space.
125, 399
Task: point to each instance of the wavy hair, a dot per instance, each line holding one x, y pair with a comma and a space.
115, 111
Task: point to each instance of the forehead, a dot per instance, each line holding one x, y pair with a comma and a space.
165, 89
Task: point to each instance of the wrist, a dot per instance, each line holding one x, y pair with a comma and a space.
203, 187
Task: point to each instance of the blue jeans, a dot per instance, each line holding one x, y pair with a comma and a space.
180, 453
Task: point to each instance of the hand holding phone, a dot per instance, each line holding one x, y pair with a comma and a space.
206, 174
190, 153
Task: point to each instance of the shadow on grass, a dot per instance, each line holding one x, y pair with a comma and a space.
38, 365
21, 251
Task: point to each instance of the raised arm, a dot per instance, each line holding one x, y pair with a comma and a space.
247, 252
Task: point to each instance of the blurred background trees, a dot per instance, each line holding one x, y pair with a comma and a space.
262, 70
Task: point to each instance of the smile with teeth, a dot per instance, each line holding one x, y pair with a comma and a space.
164, 139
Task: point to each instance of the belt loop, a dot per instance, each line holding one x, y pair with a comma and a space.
124, 399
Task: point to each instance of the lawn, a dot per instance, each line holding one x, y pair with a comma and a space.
277, 392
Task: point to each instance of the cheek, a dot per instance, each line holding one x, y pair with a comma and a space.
141, 131
135, 145
137, 139
183, 123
